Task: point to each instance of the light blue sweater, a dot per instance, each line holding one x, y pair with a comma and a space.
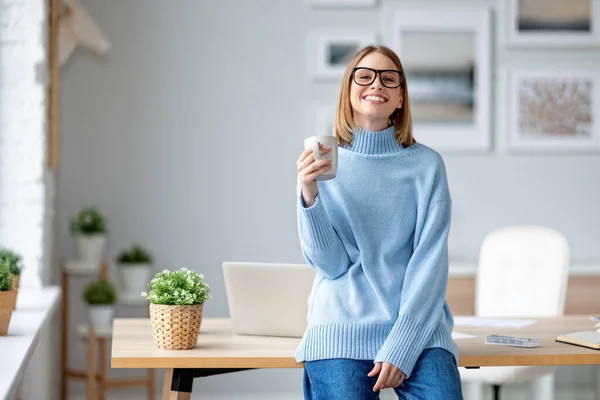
377, 237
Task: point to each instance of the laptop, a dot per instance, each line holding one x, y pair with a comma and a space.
268, 299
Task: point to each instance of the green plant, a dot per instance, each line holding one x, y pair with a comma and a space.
89, 221
100, 292
14, 259
5, 276
178, 288
135, 255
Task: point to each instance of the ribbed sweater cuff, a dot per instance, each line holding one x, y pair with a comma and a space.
317, 232
343, 341
404, 344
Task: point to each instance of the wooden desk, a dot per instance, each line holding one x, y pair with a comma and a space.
219, 351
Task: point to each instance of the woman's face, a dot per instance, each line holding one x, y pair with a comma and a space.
374, 102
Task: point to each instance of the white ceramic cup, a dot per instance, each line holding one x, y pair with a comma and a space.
331, 141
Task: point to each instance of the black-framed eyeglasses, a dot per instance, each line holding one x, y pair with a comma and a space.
389, 78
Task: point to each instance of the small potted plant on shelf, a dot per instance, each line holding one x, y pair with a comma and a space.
15, 263
135, 267
100, 297
88, 228
8, 296
15, 266
176, 304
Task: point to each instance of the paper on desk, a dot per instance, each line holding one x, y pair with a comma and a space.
595, 318
459, 335
492, 322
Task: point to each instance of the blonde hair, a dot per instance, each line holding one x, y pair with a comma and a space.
343, 125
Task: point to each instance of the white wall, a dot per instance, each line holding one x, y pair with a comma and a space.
26, 185
22, 133
187, 135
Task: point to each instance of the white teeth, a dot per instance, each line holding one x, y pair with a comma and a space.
375, 98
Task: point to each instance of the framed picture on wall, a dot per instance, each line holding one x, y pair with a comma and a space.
330, 51
553, 110
446, 58
553, 23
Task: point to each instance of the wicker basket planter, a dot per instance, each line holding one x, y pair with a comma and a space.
8, 296
8, 299
176, 304
15, 287
12, 264
15, 284
175, 327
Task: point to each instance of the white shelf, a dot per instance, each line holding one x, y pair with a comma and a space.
104, 332
34, 310
77, 267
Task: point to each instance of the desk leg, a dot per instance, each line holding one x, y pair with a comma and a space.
150, 385
181, 384
178, 382
166, 392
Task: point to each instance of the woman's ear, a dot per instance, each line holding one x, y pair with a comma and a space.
401, 100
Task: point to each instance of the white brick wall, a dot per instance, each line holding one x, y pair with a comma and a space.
26, 190
23, 99
26, 185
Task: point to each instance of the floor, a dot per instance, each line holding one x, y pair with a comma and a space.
508, 394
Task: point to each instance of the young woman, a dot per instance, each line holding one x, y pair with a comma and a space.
377, 237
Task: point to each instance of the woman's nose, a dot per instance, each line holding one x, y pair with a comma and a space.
377, 82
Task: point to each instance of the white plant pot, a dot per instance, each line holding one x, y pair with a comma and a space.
101, 316
135, 278
90, 248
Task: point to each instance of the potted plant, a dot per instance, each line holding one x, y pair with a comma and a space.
88, 228
176, 305
15, 263
15, 266
8, 296
135, 267
100, 297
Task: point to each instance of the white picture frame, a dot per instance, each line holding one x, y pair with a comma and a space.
445, 118
341, 3
536, 123
527, 26
329, 51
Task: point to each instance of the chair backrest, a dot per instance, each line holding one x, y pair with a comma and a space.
523, 271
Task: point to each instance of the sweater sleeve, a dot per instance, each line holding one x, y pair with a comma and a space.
321, 245
423, 291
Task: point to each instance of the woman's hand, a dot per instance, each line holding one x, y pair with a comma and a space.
309, 170
390, 376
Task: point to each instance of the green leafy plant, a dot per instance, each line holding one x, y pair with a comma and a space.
89, 221
100, 293
14, 260
5, 276
134, 255
178, 288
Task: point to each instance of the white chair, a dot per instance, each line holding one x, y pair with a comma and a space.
522, 272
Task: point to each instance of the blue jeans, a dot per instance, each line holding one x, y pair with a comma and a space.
435, 377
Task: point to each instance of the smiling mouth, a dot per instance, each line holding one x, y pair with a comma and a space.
375, 99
